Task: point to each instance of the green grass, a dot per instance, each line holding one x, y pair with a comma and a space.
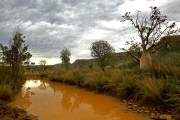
156, 87
6, 92
9, 85
159, 86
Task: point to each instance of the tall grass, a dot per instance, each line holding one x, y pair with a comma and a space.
8, 84
160, 86
6, 92
146, 88
151, 90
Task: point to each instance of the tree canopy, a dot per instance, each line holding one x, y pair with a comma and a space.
65, 56
14, 55
103, 52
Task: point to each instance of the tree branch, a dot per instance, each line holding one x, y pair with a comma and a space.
134, 56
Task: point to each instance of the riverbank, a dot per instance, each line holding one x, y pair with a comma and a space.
147, 90
11, 113
51, 100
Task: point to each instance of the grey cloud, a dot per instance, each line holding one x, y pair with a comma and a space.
50, 25
171, 9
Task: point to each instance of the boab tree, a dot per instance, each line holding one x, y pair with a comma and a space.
103, 52
65, 57
150, 29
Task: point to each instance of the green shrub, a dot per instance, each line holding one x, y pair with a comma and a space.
78, 78
128, 88
151, 90
6, 92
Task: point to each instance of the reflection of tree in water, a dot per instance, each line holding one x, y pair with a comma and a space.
43, 85
24, 100
70, 101
35, 81
73, 98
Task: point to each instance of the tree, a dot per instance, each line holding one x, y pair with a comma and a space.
43, 65
65, 57
102, 51
150, 30
134, 50
14, 55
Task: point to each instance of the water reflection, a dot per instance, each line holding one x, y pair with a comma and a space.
50, 100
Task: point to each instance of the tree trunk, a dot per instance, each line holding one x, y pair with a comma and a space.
145, 61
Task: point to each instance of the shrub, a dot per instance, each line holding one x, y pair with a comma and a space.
5, 92
128, 88
78, 78
151, 90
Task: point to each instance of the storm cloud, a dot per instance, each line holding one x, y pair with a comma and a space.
51, 25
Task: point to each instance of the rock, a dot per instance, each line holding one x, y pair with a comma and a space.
130, 103
147, 111
157, 116
153, 116
168, 117
130, 107
134, 105
143, 108
162, 117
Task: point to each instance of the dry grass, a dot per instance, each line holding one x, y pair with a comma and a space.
6, 92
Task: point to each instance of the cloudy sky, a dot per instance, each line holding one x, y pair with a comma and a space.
51, 25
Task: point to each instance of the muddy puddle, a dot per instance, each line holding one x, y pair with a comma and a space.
55, 101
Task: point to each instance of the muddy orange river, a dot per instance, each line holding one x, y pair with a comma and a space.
55, 101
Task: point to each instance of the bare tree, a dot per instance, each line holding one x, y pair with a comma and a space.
43, 65
150, 29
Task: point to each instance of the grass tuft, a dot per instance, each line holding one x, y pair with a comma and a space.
6, 92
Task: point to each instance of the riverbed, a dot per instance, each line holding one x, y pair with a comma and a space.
55, 101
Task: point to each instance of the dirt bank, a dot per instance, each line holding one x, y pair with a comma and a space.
10, 113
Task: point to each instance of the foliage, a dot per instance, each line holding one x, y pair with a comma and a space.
65, 57
158, 87
103, 52
78, 78
134, 50
5, 92
14, 56
16, 53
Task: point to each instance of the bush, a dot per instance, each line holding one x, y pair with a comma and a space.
128, 88
78, 78
151, 90
5, 92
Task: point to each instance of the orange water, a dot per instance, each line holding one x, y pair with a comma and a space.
55, 101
